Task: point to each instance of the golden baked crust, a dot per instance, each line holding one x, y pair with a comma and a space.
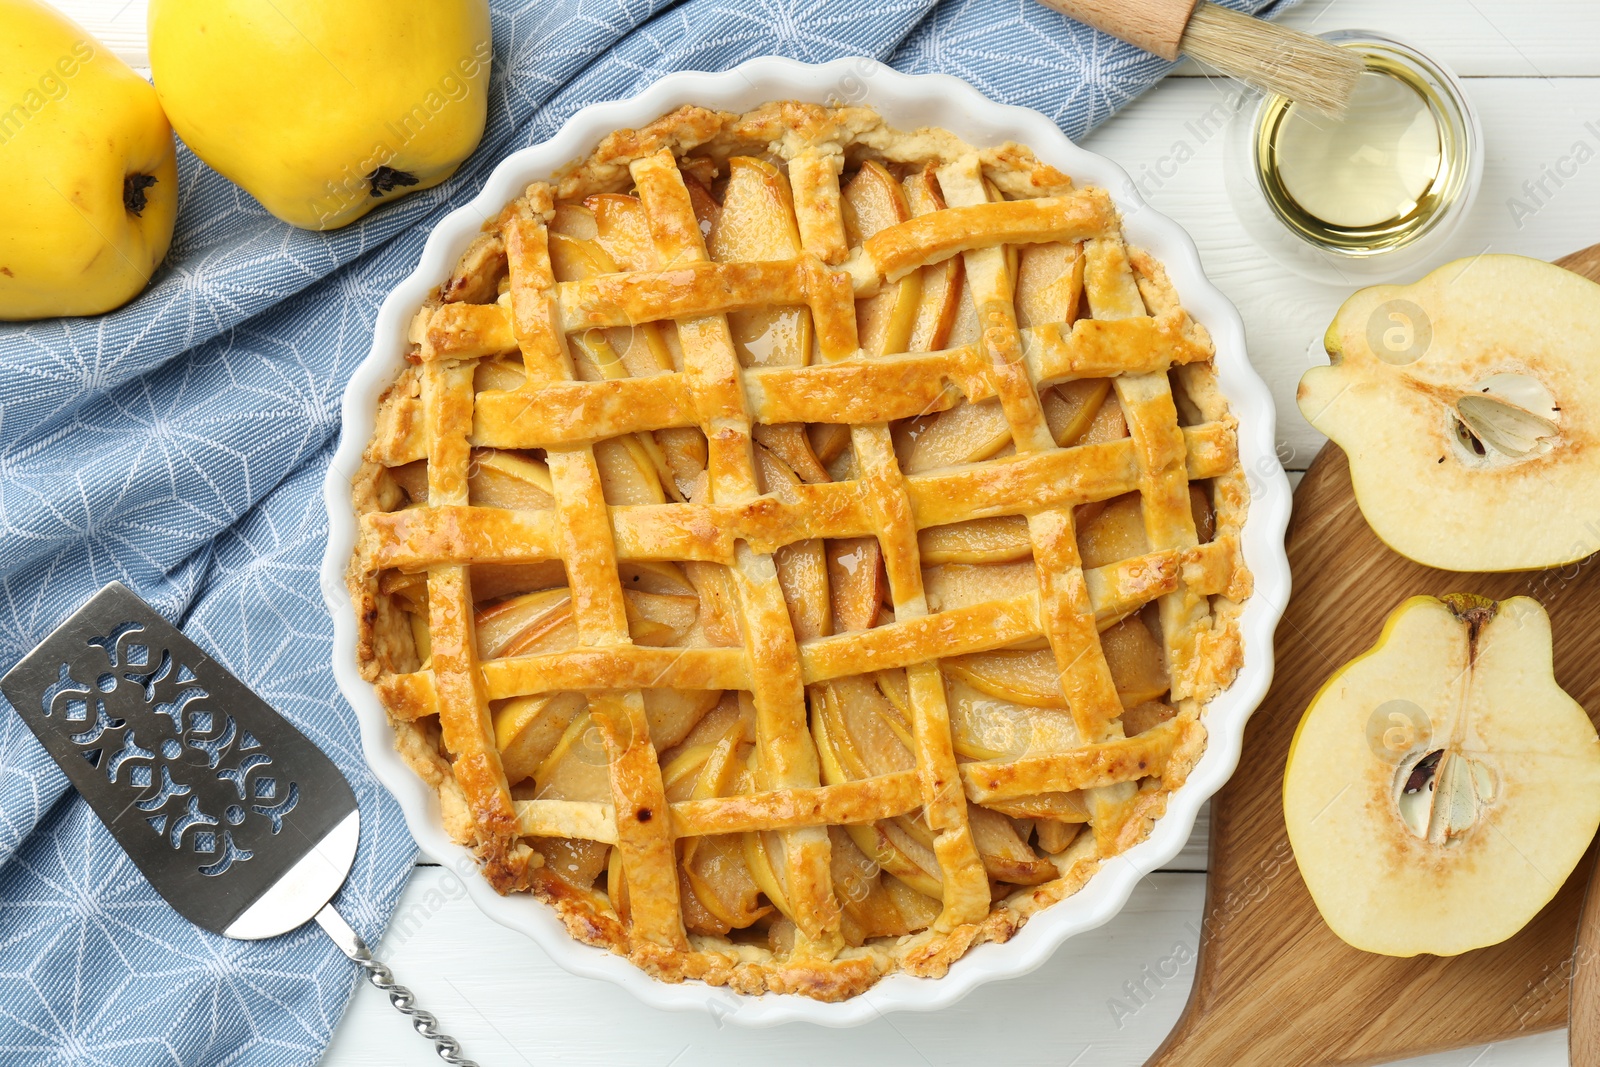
788, 534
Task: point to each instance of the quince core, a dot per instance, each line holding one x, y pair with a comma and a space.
1441, 786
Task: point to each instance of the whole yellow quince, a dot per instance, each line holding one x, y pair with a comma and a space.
323, 110
88, 170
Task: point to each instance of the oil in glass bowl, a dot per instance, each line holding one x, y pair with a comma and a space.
1401, 163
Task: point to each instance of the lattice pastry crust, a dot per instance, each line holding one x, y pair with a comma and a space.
789, 534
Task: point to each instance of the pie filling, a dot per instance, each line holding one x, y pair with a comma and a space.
799, 550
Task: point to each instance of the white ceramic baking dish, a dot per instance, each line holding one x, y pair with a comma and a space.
906, 101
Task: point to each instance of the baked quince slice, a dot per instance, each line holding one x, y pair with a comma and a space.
1441, 787
870, 202
940, 282
756, 223
1469, 405
874, 904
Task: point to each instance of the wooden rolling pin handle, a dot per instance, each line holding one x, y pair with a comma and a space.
1153, 25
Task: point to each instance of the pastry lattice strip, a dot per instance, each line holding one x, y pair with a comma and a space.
740, 530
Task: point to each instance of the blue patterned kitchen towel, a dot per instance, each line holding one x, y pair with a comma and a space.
179, 445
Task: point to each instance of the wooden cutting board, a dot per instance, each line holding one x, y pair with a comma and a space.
1273, 985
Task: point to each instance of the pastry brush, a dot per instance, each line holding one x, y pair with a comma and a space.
1276, 59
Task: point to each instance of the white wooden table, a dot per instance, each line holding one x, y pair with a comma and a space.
1532, 68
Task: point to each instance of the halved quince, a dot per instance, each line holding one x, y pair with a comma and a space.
1469, 405
1442, 786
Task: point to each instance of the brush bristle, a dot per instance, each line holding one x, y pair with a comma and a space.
1304, 68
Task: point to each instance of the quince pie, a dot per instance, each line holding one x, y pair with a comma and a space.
799, 549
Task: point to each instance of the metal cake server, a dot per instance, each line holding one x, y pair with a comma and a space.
235, 817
